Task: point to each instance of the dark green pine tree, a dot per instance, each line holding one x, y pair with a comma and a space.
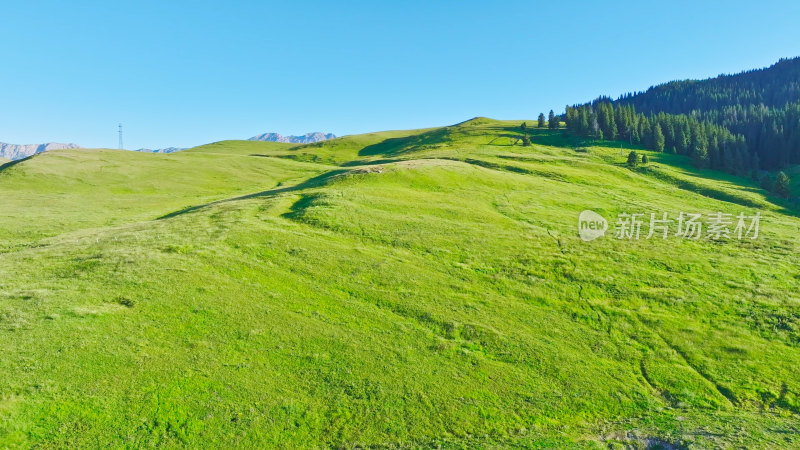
699, 146
593, 128
635, 138
645, 133
583, 122
683, 139
552, 120
523, 127
633, 159
668, 128
658, 138
605, 117
541, 120
621, 119
782, 185
572, 119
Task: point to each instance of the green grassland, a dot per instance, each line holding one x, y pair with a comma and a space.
399, 289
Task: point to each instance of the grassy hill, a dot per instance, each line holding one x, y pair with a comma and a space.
406, 288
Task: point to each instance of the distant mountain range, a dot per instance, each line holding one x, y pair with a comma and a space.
14, 152
308, 138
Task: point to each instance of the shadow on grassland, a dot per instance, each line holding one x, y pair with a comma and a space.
311, 182
11, 164
407, 144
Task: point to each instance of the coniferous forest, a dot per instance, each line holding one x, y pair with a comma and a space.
739, 123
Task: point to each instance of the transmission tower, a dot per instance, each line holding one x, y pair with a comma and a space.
120, 137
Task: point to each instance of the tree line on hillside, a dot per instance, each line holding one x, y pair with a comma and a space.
707, 144
552, 122
762, 106
704, 140
771, 134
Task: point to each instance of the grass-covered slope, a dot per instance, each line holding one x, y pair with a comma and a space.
395, 289
69, 190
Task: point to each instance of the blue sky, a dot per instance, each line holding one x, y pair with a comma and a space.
179, 73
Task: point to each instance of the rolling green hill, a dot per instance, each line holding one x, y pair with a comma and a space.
397, 289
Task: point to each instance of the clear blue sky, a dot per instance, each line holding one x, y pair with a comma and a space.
180, 73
